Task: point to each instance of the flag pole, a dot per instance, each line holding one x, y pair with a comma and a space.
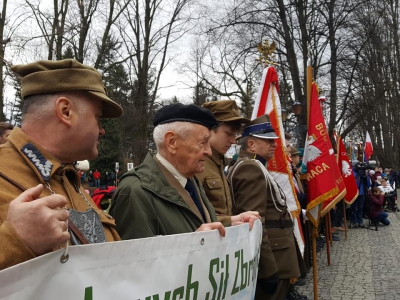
327, 239
315, 229
344, 204
345, 220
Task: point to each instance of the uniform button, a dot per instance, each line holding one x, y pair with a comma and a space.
276, 245
214, 182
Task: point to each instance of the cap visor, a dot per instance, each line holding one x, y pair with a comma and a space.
268, 135
111, 109
243, 120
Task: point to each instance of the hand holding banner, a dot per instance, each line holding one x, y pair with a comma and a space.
201, 265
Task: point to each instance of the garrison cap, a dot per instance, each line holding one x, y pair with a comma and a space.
178, 112
225, 111
48, 76
260, 128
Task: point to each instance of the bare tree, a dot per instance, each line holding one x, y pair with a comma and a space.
3, 43
149, 29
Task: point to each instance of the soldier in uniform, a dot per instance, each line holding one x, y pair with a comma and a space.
63, 102
213, 178
254, 189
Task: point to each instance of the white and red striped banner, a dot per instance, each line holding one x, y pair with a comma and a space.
268, 103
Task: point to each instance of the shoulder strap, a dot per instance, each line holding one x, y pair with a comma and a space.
229, 178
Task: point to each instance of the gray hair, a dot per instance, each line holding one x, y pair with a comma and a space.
244, 143
182, 129
41, 106
38, 105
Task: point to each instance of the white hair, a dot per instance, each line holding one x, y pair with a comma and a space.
182, 129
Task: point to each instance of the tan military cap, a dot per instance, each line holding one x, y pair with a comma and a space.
47, 76
225, 111
260, 120
293, 151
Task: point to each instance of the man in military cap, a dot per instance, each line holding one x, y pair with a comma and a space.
254, 189
63, 103
213, 179
163, 196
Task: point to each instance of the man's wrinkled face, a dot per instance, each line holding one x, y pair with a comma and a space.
192, 151
223, 138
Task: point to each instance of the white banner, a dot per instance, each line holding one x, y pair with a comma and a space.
200, 265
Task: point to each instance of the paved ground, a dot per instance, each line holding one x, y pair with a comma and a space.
366, 266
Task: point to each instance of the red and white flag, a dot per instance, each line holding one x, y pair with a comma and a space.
346, 171
268, 103
369, 150
323, 177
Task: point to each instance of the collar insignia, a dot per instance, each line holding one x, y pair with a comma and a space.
38, 160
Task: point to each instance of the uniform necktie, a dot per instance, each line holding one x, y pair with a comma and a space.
193, 194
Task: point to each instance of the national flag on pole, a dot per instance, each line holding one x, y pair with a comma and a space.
322, 170
268, 103
368, 149
346, 171
331, 202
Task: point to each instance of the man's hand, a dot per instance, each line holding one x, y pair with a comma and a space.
245, 217
212, 226
40, 223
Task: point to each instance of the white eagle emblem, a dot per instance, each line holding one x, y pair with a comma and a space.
311, 152
346, 170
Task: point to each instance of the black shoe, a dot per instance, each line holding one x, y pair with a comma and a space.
361, 226
294, 295
300, 282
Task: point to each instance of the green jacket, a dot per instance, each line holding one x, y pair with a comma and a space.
150, 201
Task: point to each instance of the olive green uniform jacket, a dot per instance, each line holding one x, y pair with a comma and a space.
279, 250
28, 165
150, 201
217, 188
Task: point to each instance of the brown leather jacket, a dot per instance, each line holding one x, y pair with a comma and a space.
63, 179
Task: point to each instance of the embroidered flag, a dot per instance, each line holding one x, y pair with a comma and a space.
331, 202
323, 177
268, 103
347, 172
368, 147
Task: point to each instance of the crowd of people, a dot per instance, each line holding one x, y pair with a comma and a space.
376, 197
95, 178
183, 188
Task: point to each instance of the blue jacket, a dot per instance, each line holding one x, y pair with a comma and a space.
360, 184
